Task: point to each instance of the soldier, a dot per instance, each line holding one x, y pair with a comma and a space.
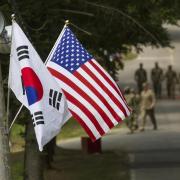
157, 77
132, 100
147, 106
140, 77
171, 80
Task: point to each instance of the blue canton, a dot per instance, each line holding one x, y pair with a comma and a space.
69, 53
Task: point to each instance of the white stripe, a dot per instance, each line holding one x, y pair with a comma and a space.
108, 86
102, 92
110, 78
76, 95
85, 119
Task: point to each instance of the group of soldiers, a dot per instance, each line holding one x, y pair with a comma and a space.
143, 101
157, 77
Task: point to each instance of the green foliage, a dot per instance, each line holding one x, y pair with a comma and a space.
112, 24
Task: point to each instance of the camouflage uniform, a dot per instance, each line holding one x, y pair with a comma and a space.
133, 102
171, 80
157, 77
140, 77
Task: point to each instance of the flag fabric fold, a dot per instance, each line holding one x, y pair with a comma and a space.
35, 88
94, 98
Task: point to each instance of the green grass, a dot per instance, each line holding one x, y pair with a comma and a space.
17, 137
74, 165
71, 129
17, 160
71, 164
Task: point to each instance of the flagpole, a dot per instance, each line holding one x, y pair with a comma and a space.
57, 41
17, 114
50, 54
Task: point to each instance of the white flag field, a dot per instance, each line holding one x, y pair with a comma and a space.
35, 88
94, 98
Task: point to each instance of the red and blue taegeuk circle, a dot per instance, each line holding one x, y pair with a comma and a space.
32, 85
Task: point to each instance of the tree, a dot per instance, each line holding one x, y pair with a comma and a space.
114, 26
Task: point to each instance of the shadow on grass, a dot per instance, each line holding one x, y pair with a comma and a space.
74, 165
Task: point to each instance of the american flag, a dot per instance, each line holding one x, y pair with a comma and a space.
93, 97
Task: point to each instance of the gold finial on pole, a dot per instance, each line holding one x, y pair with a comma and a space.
67, 22
13, 17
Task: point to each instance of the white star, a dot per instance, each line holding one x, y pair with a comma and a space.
72, 69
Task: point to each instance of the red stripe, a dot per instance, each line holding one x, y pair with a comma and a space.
83, 94
99, 95
114, 85
86, 128
116, 101
103, 74
86, 111
122, 97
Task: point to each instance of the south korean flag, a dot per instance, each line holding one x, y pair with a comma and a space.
36, 89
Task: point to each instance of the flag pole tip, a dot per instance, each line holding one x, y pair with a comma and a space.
13, 16
67, 22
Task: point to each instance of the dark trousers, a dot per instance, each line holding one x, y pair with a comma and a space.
157, 89
171, 90
150, 113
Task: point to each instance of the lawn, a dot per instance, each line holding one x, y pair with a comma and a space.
71, 165
74, 165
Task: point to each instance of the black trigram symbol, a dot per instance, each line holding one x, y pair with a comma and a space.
22, 52
37, 118
55, 98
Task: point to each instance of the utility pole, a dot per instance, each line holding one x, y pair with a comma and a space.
4, 144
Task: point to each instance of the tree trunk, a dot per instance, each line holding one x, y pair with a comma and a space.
4, 145
33, 157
